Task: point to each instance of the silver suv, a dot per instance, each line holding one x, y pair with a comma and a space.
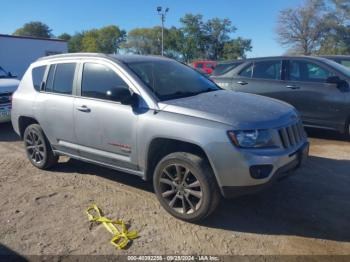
158, 119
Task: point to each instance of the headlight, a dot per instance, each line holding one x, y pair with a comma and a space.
251, 138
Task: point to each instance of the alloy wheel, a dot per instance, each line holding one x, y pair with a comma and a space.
181, 189
35, 147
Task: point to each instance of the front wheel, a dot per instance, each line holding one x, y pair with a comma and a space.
186, 186
38, 148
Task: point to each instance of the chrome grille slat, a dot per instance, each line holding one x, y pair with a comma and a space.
292, 135
285, 139
296, 133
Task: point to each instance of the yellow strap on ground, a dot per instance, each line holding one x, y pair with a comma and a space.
121, 238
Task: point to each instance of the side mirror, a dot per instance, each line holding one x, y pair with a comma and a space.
338, 81
11, 75
120, 94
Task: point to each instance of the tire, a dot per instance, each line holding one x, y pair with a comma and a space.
186, 187
347, 130
38, 148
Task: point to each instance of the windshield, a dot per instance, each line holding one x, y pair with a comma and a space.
3, 73
343, 69
170, 79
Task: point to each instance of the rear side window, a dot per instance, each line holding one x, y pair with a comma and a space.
307, 72
98, 80
199, 65
49, 81
64, 76
247, 72
37, 76
221, 69
267, 70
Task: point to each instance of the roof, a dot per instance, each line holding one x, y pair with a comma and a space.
336, 56
122, 58
33, 38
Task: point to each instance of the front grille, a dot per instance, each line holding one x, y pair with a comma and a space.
5, 98
292, 135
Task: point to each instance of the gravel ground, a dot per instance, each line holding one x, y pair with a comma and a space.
42, 212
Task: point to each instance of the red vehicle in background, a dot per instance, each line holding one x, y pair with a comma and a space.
205, 66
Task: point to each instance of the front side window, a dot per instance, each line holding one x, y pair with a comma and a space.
98, 80
307, 72
267, 70
169, 79
37, 76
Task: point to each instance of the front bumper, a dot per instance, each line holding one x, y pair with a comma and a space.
5, 113
282, 172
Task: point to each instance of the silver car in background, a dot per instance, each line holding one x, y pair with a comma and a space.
158, 119
8, 85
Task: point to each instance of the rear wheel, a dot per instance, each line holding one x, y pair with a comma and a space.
347, 130
38, 148
185, 186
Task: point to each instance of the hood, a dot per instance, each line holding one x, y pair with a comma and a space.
8, 85
239, 110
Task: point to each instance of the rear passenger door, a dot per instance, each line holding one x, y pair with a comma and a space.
105, 128
262, 78
54, 105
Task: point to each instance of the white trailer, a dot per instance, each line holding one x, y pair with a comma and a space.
18, 52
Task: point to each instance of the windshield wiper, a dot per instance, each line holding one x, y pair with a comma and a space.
181, 94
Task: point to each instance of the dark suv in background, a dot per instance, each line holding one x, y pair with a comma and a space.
317, 87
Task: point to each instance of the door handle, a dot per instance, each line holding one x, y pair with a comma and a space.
84, 109
293, 87
242, 83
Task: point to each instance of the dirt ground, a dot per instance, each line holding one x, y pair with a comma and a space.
42, 212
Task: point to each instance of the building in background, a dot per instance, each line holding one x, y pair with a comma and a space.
18, 52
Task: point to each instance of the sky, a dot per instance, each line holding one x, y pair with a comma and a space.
254, 19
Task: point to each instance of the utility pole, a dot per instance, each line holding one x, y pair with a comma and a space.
162, 15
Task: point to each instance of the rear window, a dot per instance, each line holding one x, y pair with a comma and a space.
199, 65
37, 76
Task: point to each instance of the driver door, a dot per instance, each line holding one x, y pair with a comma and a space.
319, 102
104, 127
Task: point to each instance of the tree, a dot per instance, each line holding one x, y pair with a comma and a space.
75, 42
319, 27
64, 36
236, 48
110, 38
302, 28
145, 41
210, 39
104, 40
194, 37
35, 29
217, 35
337, 38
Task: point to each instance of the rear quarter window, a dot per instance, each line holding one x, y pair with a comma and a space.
38, 76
